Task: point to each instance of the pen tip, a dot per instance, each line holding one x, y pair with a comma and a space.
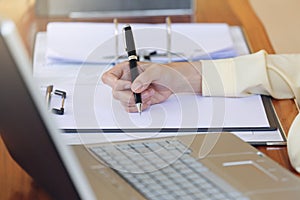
139, 107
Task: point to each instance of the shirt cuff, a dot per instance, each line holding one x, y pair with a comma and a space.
240, 76
218, 77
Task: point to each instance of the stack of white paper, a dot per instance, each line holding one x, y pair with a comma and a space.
76, 42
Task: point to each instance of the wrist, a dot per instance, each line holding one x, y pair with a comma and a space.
190, 72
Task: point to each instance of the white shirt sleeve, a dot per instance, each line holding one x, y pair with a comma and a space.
258, 73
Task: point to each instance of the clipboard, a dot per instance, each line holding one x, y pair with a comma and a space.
274, 124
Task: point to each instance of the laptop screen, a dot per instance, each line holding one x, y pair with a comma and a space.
22, 127
113, 8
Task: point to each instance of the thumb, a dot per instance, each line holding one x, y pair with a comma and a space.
142, 82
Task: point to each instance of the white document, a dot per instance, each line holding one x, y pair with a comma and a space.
77, 42
92, 107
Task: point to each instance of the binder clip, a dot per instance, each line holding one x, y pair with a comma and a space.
63, 94
61, 110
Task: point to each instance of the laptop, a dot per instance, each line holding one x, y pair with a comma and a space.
112, 8
190, 166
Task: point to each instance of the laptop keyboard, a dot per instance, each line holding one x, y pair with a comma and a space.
164, 169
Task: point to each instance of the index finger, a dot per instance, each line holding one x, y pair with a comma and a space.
111, 76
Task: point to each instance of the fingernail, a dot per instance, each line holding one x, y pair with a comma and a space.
136, 86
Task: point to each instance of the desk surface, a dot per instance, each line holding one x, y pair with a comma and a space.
16, 184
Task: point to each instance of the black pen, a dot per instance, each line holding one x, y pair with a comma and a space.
132, 57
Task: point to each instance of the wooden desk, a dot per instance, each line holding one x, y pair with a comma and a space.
16, 184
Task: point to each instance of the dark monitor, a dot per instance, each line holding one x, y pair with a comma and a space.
113, 8
25, 126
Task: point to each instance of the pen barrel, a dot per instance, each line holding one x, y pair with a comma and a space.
131, 53
134, 73
133, 69
132, 57
137, 97
130, 47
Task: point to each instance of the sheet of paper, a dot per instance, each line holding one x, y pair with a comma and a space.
96, 42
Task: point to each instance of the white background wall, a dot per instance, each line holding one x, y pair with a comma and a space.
281, 19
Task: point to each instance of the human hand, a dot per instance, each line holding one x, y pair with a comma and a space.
156, 82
